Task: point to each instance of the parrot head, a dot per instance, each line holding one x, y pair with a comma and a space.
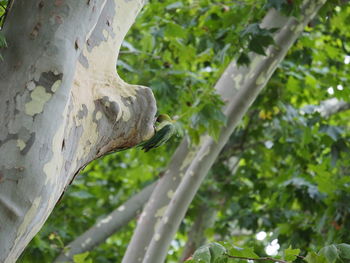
163, 117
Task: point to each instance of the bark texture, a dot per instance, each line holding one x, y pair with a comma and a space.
248, 82
62, 105
157, 203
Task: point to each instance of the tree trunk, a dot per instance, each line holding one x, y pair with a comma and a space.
248, 81
157, 204
62, 105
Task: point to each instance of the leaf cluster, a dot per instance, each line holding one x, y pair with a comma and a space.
224, 252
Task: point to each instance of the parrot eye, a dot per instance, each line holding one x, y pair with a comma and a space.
160, 118
163, 117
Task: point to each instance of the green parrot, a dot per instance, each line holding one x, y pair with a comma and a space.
164, 130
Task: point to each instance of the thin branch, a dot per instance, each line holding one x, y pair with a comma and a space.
106, 226
3, 7
140, 52
257, 259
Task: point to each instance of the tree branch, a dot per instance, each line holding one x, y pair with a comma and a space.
160, 198
107, 226
258, 259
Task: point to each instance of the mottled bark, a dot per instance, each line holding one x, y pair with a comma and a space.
248, 81
107, 226
157, 203
62, 105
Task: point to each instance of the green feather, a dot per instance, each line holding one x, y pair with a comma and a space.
164, 131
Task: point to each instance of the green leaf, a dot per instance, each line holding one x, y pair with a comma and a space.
315, 258
255, 46
344, 250
291, 254
81, 258
265, 40
148, 42
216, 250
243, 59
209, 253
252, 29
202, 254
242, 252
221, 259
175, 5
3, 42
174, 31
332, 131
330, 252
259, 43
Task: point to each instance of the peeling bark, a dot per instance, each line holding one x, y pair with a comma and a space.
62, 105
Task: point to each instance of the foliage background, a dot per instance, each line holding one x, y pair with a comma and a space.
292, 179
